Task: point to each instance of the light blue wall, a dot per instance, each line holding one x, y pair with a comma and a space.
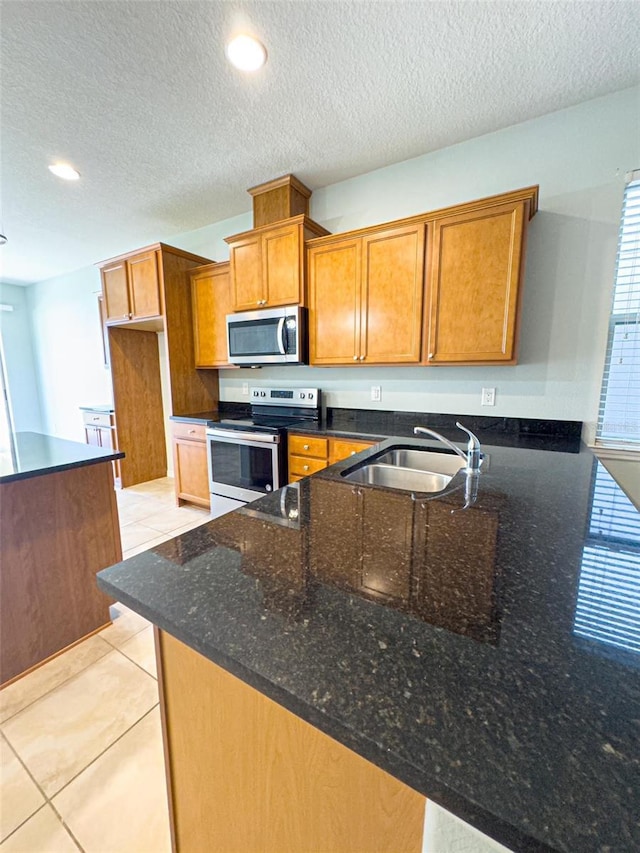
578, 156
20, 363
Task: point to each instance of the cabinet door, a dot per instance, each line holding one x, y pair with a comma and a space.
92, 436
392, 296
455, 568
247, 288
115, 291
144, 285
106, 438
211, 298
191, 472
282, 266
474, 286
334, 302
385, 571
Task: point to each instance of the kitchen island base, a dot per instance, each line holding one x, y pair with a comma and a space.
245, 774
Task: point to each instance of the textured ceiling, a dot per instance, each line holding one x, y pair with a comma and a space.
168, 137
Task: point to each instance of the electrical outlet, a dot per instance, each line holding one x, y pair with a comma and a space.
488, 397
376, 393
245, 388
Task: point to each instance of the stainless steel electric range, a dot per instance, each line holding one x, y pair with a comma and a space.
247, 457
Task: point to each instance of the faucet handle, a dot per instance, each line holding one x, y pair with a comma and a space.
474, 443
474, 454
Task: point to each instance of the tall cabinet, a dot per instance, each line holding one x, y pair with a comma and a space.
147, 293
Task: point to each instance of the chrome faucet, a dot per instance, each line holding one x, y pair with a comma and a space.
473, 456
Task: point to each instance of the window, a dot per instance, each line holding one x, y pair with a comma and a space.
619, 414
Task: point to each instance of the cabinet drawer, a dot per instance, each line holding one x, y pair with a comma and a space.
195, 432
304, 445
96, 419
302, 466
339, 449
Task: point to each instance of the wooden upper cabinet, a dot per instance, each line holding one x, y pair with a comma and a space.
131, 288
211, 300
144, 285
393, 275
334, 302
267, 264
365, 297
474, 284
245, 258
115, 289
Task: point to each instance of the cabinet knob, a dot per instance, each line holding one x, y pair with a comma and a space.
305, 446
96, 419
355, 358
125, 316
430, 355
192, 432
361, 358
305, 467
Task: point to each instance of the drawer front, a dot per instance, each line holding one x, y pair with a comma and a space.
305, 445
195, 432
339, 449
96, 419
302, 466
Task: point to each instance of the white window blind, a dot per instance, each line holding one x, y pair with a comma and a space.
619, 413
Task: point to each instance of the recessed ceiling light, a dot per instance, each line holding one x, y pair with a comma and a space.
246, 53
63, 170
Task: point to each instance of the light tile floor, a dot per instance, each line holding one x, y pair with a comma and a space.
81, 762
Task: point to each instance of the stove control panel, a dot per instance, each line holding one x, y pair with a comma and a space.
301, 397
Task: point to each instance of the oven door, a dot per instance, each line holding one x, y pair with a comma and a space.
244, 466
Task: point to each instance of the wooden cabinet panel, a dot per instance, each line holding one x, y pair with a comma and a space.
116, 291
211, 298
245, 258
190, 431
302, 466
340, 449
474, 286
393, 277
191, 473
144, 286
306, 445
334, 302
282, 270
245, 774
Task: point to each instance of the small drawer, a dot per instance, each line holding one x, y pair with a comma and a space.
195, 432
340, 449
302, 466
305, 445
96, 419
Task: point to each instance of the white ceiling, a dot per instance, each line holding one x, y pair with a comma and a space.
138, 96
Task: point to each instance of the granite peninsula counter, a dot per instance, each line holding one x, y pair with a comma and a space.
486, 658
58, 527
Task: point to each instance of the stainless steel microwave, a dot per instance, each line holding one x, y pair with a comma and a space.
268, 336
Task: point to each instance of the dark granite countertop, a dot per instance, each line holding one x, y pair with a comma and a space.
487, 657
33, 454
196, 418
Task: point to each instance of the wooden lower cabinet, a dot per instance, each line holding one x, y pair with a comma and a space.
246, 775
308, 454
191, 475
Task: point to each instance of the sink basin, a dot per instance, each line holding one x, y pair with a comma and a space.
407, 469
422, 460
405, 479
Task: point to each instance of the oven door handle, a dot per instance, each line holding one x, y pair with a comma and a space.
237, 436
280, 335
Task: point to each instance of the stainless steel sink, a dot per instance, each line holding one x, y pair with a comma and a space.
422, 460
407, 469
405, 479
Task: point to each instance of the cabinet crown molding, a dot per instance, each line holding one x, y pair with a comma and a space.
155, 247
302, 220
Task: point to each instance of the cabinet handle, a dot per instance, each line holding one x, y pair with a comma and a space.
191, 432
361, 358
355, 358
305, 447
125, 316
430, 355
96, 419
305, 467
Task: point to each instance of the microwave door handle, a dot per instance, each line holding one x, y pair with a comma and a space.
280, 335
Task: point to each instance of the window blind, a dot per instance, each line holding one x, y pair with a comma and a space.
619, 412
608, 601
